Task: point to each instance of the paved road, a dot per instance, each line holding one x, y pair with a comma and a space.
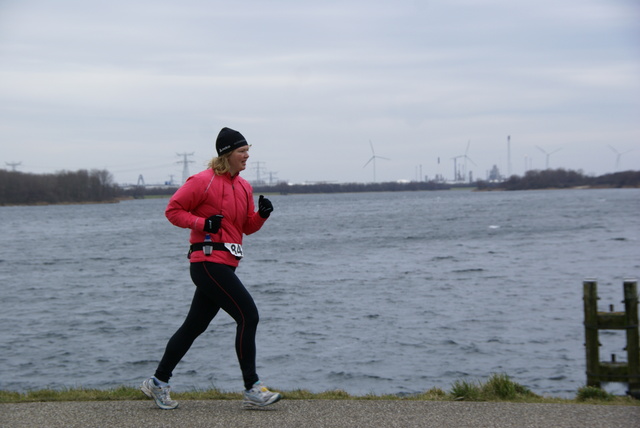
317, 413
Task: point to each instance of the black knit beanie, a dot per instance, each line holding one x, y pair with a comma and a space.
228, 140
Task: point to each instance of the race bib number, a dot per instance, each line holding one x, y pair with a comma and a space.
235, 249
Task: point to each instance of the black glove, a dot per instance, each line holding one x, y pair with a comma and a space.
265, 207
212, 224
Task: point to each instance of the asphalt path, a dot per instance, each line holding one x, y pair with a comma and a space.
317, 413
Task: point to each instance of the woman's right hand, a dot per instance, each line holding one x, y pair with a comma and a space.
212, 224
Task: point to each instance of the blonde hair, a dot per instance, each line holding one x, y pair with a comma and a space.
220, 164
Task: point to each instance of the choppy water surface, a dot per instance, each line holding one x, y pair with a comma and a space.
369, 293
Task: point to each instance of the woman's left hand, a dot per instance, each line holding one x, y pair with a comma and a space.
265, 207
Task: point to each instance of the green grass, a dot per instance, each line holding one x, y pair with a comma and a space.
591, 393
499, 387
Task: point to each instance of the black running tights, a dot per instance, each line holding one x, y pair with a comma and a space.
217, 287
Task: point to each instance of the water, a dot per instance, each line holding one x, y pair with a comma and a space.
369, 293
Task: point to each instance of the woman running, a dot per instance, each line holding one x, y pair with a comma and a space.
217, 205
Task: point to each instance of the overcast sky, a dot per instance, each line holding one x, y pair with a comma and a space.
127, 85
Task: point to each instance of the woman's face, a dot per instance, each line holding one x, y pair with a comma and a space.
238, 159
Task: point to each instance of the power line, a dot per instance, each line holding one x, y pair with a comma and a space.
185, 165
257, 168
13, 165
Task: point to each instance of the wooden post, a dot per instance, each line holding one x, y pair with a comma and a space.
633, 350
597, 371
591, 332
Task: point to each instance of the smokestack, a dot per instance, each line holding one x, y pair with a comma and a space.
509, 155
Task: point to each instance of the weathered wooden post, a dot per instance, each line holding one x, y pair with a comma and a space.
592, 343
597, 371
633, 335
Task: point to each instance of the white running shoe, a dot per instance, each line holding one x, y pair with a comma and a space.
259, 396
160, 394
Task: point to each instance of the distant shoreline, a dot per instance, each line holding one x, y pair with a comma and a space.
273, 192
502, 189
43, 204
97, 187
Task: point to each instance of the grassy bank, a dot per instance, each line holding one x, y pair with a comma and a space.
498, 388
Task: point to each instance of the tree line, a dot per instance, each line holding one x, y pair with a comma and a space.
18, 188
285, 188
563, 179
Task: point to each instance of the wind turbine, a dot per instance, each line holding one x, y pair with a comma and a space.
547, 154
619, 155
467, 158
457, 175
373, 159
